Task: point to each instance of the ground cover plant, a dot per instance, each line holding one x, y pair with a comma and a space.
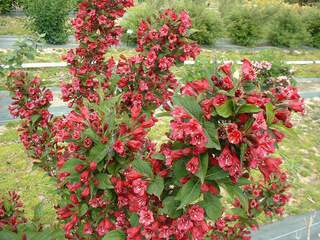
113, 181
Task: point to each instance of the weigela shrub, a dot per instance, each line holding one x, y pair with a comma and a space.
11, 212
113, 180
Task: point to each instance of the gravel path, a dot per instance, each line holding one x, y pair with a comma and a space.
291, 228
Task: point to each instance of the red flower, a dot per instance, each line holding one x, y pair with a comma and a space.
193, 165
270, 166
87, 229
118, 146
248, 71
228, 161
134, 145
164, 30
104, 227
234, 135
146, 217
226, 68
139, 186
196, 213
85, 193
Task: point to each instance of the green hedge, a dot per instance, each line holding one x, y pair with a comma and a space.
132, 19
207, 23
6, 6
288, 29
48, 18
245, 25
311, 18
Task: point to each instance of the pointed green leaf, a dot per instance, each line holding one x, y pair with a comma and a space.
156, 186
203, 168
249, 108
170, 206
225, 110
70, 164
189, 193
158, 156
115, 235
212, 134
212, 206
98, 153
190, 104
143, 167
104, 181
270, 113
216, 173
236, 192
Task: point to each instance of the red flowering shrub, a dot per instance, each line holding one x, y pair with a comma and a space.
31, 103
113, 181
11, 212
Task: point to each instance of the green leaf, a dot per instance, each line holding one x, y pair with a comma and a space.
83, 209
225, 110
158, 156
212, 206
35, 118
104, 181
7, 235
216, 173
270, 113
98, 153
243, 149
38, 212
115, 235
249, 108
69, 165
143, 167
156, 186
212, 134
190, 104
170, 206
202, 172
134, 219
179, 169
236, 192
92, 134
243, 181
189, 193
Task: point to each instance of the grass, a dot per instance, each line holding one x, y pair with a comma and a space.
302, 156
17, 174
301, 160
14, 26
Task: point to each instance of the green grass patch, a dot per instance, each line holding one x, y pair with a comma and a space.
14, 26
16, 173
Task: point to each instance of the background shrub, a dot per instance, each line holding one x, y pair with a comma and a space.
311, 18
288, 29
245, 25
49, 18
6, 6
132, 19
207, 23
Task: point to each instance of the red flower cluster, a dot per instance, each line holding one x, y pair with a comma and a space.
11, 212
146, 78
31, 103
96, 30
